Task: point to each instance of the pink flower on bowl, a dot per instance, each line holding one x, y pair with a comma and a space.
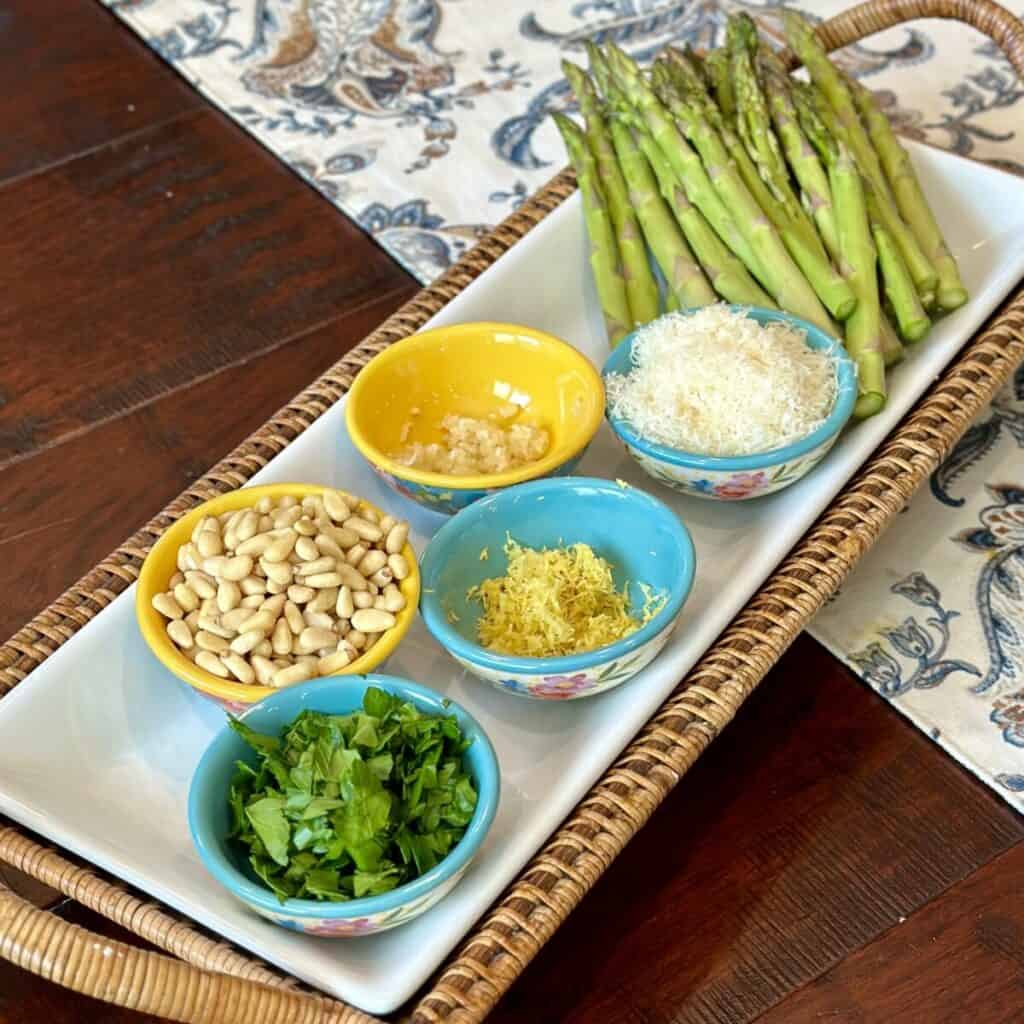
741, 485
355, 926
561, 687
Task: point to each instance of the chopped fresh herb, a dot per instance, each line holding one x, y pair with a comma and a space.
346, 806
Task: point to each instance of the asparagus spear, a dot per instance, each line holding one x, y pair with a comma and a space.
794, 225
630, 93
910, 198
892, 349
864, 327
806, 166
682, 272
839, 105
727, 274
716, 63
641, 288
604, 254
911, 318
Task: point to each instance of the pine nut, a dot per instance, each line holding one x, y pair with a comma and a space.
266, 524
352, 577
372, 620
238, 667
278, 572
312, 638
247, 525
287, 501
321, 620
212, 624
237, 568
186, 598
344, 606
209, 544
373, 561
178, 577
246, 642
167, 606
369, 514
209, 608
252, 585
182, 566
255, 545
306, 549
386, 524
280, 549
274, 605
393, 598
305, 527
232, 620
365, 529
263, 649
214, 566
264, 669
192, 621
286, 517
251, 601
209, 662
382, 577
325, 564
180, 634
324, 601
281, 640
263, 621
324, 579
356, 553
274, 588
264, 505
292, 675
299, 594
328, 546
292, 615
397, 536
333, 662
362, 599
229, 595
211, 642
336, 506
342, 537
399, 566
204, 586
356, 639
193, 560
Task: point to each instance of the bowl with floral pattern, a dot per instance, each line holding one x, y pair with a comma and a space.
741, 477
646, 544
209, 815
508, 373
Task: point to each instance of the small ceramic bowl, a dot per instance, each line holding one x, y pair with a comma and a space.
209, 817
748, 476
641, 537
161, 564
473, 369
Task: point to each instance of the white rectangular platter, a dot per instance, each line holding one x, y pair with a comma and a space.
98, 745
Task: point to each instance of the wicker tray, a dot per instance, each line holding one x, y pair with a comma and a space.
206, 980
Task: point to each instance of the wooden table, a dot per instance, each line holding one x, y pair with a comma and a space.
165, 286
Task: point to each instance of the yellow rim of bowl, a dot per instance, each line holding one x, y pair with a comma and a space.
153, 625
483, 481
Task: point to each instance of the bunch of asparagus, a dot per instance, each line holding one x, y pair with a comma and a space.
747, 185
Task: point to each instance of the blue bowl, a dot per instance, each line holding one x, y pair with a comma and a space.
747, 476
209, 820
639, 535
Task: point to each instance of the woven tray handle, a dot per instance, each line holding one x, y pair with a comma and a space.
163, 986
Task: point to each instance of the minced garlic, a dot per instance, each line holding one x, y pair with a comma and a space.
555, 602
474, 447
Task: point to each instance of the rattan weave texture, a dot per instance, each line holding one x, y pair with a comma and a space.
204, 980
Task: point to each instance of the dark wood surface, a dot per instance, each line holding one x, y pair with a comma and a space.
166, 286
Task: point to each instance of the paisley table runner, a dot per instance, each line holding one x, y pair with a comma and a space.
426, 121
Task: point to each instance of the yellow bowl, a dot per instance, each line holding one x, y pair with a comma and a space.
473, 369
161, 564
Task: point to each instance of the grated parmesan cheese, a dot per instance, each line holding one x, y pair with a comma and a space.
555, 602
716, 382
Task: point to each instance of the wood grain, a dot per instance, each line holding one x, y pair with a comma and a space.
73, 79
77, 501
160, 259
960, 958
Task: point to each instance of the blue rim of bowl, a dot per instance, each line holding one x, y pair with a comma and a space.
842, 408
235, 882
458, 645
